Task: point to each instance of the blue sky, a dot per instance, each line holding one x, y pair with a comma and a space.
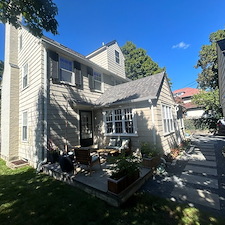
172, 32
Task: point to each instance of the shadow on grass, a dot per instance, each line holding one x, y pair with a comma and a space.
30, 198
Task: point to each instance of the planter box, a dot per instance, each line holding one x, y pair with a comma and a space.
117, 186
151, 162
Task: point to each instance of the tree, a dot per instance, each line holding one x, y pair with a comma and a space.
38, 15
137, 63
208, 78
209, 101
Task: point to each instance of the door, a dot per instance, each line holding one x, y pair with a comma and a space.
86, 133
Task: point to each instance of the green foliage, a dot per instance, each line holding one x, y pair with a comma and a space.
38, 15
1, 68
200, 124
208, 78
137, 63
30, 198
209, 101
125, 165
150, 150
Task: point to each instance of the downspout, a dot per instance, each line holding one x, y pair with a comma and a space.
153, 121
45, 103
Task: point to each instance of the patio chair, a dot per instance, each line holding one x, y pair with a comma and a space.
83, 156
123, 145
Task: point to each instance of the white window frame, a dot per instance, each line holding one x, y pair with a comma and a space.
21, 42
167, 119
67, 71
24, 126
97, 81
25, 74
117, 57
127, 115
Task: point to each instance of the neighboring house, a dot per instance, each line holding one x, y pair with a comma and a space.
185, 96
221, 72
52, 92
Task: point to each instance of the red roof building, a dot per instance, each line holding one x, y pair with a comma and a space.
185, 95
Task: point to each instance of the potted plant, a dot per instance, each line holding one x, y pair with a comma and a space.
125, 171
52, 152
151, 155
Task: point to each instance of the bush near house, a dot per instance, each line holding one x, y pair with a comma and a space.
200, 124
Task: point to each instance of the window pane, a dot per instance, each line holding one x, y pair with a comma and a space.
118, 127
118, 114
129, 127
65, 64
109, 127
66, 76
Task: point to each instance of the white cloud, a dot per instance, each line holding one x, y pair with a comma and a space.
181, 45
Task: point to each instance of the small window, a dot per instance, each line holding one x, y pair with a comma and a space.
24, 126
21, 42
25, 76
117, 56
97, 79
66, 70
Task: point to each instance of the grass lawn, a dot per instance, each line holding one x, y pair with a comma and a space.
30, 198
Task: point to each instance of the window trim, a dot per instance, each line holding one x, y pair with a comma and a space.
123, 120
97, 81
70, 71
117, 57
24, 138
168, 127
23, 76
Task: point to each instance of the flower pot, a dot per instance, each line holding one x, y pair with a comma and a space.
152, 162
117, 186
52, 156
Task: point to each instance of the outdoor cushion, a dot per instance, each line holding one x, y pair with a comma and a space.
112, 142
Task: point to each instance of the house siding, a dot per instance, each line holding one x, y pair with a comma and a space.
106, 58
168, 141
31, 97
9, 97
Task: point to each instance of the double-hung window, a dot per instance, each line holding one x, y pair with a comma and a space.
97, 79
117, 57
119, 121
24, 126
66, 70
168, 124
25, 76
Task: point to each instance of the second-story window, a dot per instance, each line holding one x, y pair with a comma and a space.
66, 70
117, 57
97, 79
25, 76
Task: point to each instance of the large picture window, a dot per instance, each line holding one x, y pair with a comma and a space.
119, 121
168, 124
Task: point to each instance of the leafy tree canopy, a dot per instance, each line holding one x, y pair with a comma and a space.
137, 63
209, 101
208, 78
38, 15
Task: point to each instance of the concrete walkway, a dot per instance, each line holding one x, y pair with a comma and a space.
197, 177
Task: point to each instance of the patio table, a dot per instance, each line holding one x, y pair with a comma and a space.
108, 151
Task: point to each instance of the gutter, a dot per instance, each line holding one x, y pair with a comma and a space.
126, 102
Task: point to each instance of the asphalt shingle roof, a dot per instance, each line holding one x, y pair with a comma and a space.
146, 87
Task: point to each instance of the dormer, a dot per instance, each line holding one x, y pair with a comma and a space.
110, 57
